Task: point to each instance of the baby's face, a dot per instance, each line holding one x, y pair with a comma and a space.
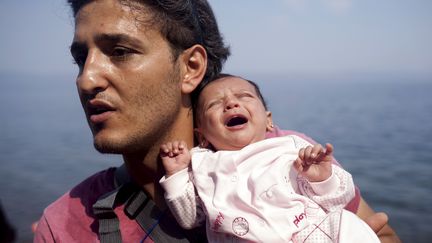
231, 115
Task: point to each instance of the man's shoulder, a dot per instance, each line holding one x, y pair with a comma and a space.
70, 218
277, 132
83, 195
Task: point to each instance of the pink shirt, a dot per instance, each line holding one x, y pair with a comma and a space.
71, 218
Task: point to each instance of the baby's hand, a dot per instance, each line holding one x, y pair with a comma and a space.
175, 157
314, 162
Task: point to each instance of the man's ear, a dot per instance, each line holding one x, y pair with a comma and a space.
194, 68
270, 126
202, 141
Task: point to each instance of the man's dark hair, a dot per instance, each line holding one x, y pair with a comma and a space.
183, 23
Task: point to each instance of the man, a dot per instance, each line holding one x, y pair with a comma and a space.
139, 64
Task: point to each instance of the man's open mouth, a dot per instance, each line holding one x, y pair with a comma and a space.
236, 121
98, 110
97, 107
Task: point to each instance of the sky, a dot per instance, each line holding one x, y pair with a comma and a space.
273, 37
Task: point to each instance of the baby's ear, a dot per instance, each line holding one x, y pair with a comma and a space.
270, 126
202, 141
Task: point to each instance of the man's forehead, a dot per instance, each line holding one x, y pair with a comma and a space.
100, 20
117, 15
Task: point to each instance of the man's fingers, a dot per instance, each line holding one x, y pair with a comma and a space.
377, 221
34, 226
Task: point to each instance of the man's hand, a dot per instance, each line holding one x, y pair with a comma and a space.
175, 157
378, 223
314, 162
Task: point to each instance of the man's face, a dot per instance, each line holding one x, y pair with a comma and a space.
128, 81
231, 115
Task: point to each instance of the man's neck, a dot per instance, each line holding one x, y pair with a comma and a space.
146, 169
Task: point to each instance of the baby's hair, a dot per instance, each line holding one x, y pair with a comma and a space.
226, 75
258, 91
200, 89
220, 76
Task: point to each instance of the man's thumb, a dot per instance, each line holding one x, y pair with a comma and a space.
377, 221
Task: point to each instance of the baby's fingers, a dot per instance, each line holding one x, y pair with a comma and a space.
329, 149
166, 149
305, 154
182, 145
175, 147
301, 153
309, 155
298, 165
179, 147
316, 152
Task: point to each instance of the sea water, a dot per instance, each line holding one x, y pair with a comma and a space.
381, 130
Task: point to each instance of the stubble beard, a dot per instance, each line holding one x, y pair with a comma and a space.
156, 109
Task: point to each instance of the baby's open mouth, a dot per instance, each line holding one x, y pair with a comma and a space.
236, 120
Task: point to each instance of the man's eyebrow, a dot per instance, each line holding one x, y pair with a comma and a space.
103, 38
76, 46
115, 38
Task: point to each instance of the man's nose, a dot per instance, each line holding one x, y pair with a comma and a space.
92, 78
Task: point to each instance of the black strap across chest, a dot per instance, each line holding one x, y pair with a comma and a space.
159, 225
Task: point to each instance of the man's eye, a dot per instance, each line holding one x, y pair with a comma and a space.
79, 60
120, 52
